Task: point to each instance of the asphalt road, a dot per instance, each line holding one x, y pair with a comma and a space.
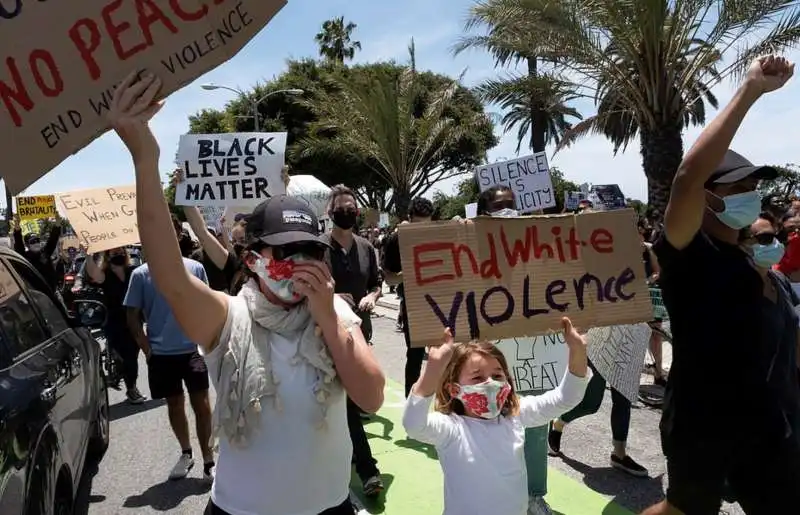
132, 478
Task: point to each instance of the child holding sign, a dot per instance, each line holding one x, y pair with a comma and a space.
479, 424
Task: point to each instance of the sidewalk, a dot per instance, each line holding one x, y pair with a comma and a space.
413, 477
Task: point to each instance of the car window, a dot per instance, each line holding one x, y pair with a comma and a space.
18, 318
53, 316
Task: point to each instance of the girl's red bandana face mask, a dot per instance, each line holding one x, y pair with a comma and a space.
486, 399
278, 274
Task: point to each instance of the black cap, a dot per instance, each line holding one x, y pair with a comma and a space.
283, 220
735, 167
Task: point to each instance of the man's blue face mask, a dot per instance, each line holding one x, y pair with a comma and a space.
741, 209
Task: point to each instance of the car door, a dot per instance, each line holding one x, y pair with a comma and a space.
69, 393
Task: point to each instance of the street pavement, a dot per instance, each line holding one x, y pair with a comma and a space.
132, 478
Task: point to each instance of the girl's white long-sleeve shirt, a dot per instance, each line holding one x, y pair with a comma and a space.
483, 461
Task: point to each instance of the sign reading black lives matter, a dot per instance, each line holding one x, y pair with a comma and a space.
234, 169
528, 177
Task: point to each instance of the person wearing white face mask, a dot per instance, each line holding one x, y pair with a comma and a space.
282, 354
728, 322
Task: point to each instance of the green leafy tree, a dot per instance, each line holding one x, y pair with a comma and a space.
649, 64
169, 194
409, 136
781, 190
335, 40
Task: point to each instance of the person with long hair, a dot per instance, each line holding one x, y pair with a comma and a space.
283, 355
113, 275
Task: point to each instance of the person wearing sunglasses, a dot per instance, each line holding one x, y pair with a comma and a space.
282, 355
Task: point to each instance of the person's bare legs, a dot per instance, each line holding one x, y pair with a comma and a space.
178, 420
202, 418
656, 349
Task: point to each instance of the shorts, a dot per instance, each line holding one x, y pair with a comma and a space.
166, 374
764, 481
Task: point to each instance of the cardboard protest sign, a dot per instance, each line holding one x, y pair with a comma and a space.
536, 364
509, 277
33, 208
62, 60
29, 227
234, 169
69, 242
528, 177
103, 218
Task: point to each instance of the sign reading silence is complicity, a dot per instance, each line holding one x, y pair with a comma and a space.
509, 277
62, 60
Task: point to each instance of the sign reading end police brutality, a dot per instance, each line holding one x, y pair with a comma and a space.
60, 63
230, 169
511, 277
528, 177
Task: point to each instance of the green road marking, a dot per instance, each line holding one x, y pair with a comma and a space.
413, 477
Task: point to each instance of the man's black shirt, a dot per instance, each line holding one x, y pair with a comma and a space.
721, 388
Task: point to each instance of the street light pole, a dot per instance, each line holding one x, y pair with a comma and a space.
253, 103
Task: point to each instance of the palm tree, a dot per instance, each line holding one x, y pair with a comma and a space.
387, 126
524, 99
650, 64
334, 40
534, 103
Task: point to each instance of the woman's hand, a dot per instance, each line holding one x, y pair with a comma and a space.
576, 342
132, 107
313, 279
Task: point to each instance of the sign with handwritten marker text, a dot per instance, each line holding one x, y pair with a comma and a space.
528, 177
103, 218
60, 63
509, 277
34, 208
536, 364
233, 169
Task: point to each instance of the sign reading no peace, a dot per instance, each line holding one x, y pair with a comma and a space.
103, 218
62, 60
234, 169
528, 177
502, 278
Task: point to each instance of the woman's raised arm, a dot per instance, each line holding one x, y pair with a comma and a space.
199, 310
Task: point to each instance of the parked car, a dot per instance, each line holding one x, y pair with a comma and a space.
54, 411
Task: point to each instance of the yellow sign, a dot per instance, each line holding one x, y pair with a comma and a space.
29, 227
34, 208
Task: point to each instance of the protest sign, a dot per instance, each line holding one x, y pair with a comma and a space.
234, 169
371, 217
501, 278
62, 60
528, 177
212, 216
572, 199
69, 242
103, 218
617, 352
383, 221
29, 227
471, 210
536, 364
33, 208
607, 197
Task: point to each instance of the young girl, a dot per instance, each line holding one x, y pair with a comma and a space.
478, 428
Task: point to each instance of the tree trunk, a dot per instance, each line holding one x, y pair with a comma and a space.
538, 126
9, 210
402, 201
662, 152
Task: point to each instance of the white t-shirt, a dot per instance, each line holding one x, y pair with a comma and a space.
483, 460
290, 467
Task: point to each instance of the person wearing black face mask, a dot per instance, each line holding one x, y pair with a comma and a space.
38, 254
113, 275
354, 267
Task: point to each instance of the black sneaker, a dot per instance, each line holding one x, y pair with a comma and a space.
660, 381
373, 486
554, 442
627, 465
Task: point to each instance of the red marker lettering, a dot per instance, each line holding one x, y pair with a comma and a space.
419, 264
602, 241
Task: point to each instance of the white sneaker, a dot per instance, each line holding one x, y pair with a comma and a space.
182, 468
538, 506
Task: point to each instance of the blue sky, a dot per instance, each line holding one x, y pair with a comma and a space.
384, 30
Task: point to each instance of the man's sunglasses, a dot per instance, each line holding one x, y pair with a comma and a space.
765, 238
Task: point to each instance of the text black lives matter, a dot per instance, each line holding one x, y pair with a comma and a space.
235, 167
86, 36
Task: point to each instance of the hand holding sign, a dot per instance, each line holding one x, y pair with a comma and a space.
132, 108
440, 356
578, 362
